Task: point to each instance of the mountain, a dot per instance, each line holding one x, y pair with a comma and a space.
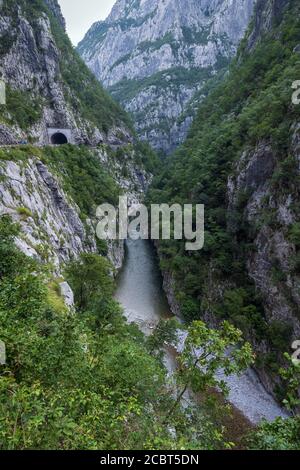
50, 93
241, 159
47, 84
154, 56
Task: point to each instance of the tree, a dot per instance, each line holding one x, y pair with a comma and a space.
165, 333
282, 434
291, 376
207, 351
90, 279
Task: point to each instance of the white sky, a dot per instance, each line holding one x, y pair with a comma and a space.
81, 14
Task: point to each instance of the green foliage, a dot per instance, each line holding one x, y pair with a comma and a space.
282, 434
291, 375
84, 178
24, 212
56, 302
146, 158
206, 351
19, 153
80, 171
8, 37
126, 89
237, 307
285, 177
9, 253
90, 279
83, 90
192, 36
294, 234
164, 333
23, 108
85, 379
6, 43
65, 384
102, 247
94, 38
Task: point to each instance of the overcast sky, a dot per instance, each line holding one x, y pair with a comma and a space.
81, 14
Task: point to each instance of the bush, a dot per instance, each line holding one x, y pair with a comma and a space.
84, 178
23, 108
282, 434
24, 212
294, 234
90, 280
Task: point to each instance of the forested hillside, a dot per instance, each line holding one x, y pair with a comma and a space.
75, 375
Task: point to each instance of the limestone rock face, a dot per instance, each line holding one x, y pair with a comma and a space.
51, 227
267, 12
154, 56
270, 216
56, 11
35, 57
273, 246
67, 294
261, 203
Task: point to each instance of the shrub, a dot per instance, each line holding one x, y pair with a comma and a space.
24, 212
294, 234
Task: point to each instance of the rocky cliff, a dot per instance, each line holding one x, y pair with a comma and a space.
47, 84
155, 55
55, 9
53, 192
34, 193
267, 14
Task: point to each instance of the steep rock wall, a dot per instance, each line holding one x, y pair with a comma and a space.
47, 83
154, 56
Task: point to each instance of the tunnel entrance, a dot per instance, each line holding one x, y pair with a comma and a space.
59, 139
60, 136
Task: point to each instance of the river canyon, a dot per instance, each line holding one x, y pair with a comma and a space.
140, 293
